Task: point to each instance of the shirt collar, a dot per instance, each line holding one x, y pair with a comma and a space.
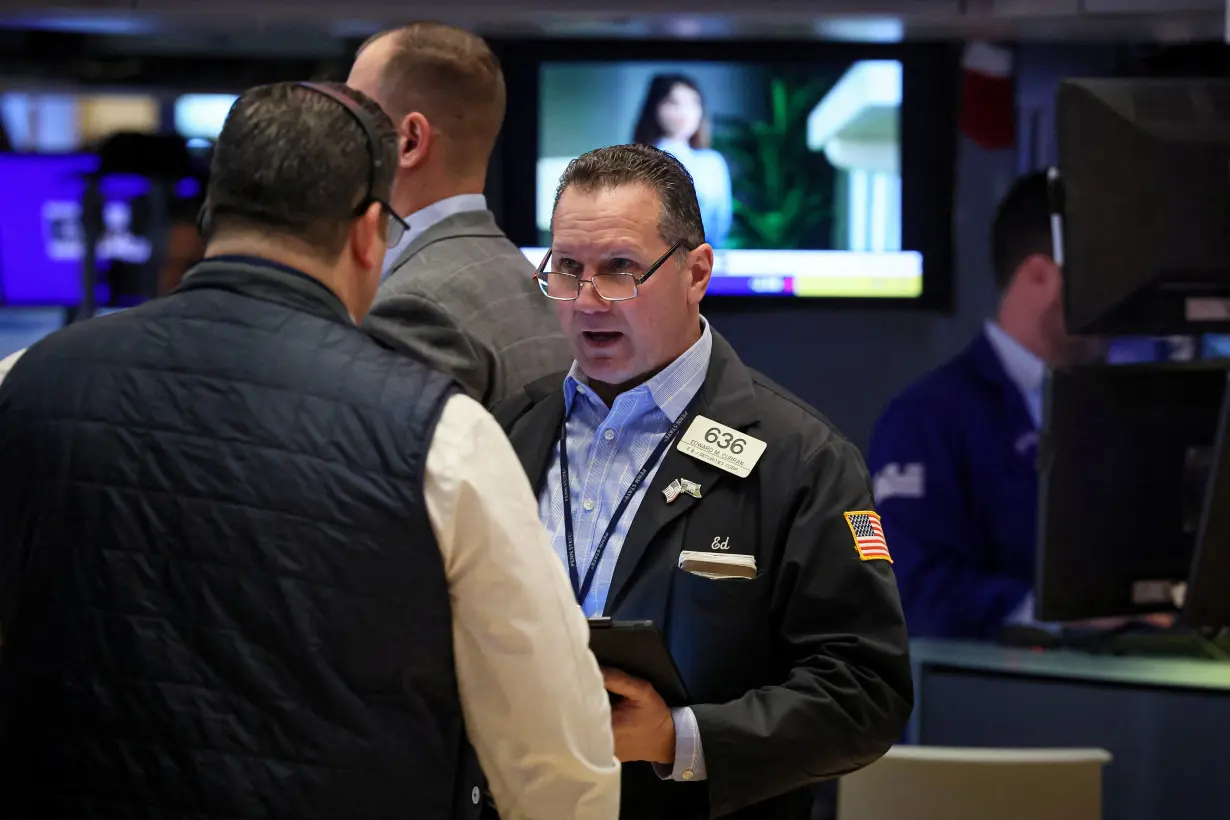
671, 390
1025, 369
424, 218
239, 268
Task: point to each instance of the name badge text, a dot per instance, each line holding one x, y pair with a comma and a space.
724, 447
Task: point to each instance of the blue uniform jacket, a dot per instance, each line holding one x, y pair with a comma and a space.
955, 477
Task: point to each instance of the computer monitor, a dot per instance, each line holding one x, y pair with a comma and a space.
1215, 346
1144, 199
42, 238
1207, 599
1124, 460
43, 235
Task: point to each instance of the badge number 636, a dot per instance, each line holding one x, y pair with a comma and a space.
726, 441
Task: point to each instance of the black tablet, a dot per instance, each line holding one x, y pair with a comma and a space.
637, 647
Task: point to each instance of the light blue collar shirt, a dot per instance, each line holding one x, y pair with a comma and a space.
606, 449
1024, 369
1028, 373
433, 214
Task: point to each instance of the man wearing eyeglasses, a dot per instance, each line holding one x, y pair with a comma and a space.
681, 487
255, 564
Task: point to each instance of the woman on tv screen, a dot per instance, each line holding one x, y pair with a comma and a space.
673, 119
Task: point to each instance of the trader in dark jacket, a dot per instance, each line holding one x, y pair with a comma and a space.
252, 564
681, 487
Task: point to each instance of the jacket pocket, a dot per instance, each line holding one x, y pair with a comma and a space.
719, 634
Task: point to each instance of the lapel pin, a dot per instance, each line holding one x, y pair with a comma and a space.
672, 491
689, 487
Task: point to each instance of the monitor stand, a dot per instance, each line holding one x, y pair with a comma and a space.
1144, 641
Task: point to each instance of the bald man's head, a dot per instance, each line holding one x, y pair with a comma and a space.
448, 75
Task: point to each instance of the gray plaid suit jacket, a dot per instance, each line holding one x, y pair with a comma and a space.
461, 297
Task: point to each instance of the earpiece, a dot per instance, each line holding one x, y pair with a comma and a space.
203, 219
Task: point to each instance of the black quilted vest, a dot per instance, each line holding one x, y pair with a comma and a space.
220, 593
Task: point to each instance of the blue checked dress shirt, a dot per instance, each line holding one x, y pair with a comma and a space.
606, 448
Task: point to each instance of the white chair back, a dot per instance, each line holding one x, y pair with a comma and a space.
948, 783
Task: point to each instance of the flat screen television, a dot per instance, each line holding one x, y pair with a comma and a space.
810, 170
42, 240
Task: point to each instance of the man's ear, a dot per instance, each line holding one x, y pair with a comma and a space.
1052, 275
1036, 270
700, 271
368, 237
414, 140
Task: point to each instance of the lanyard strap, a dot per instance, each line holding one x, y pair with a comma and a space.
581, 588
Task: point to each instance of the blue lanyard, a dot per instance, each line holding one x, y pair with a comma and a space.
581, 589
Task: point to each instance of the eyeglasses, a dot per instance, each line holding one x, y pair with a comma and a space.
397, 226
612, 287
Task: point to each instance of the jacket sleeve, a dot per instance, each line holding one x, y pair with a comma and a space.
423, 328
847, 694
921, 493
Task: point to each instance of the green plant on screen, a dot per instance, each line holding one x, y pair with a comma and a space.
778, 201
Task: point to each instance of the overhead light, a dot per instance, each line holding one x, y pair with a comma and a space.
861, 29
355, 28
709, 26
688, 27
84, 24
589, 26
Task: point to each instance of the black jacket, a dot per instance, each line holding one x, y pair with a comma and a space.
220, 592
799, 675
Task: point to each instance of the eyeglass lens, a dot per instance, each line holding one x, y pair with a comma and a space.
396, 229
610, 286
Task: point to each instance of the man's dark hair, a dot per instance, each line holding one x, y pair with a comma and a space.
294, 162
450, 76
619, 165
1022, 227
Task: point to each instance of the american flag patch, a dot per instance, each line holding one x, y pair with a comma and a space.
868, 535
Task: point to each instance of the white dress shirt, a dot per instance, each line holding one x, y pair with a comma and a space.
535, 707
424, 218
6, 364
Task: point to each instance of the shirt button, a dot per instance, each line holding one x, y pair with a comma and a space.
588, 504
475, 796
608, 435
688, 774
